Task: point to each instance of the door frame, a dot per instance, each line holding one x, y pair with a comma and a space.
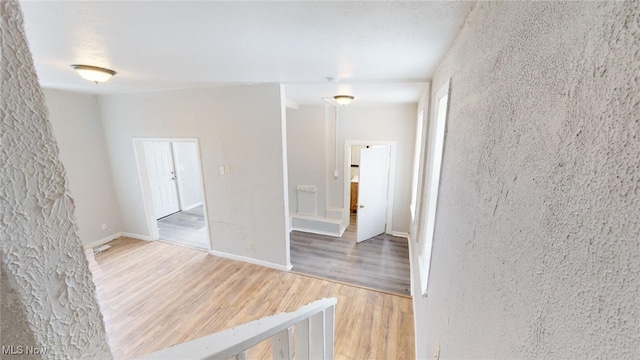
392, 177
145, 183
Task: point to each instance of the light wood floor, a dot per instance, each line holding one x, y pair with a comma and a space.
381, 262
154, 295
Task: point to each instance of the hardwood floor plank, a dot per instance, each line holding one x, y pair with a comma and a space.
381, 262
154, 295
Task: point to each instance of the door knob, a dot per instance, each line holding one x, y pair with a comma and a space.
173, 178
361, 206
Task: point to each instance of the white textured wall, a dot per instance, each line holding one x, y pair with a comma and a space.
382, 122
237, 126
75, 119
537, 244
45, 276
306, 156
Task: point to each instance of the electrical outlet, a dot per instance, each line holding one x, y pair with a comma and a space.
227, 170
104, 226
221, 170
249, 246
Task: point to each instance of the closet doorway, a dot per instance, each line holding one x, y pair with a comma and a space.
171, 181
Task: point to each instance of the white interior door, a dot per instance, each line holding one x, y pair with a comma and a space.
162, 177
372, 192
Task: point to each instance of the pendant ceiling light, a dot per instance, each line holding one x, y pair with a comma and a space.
343, 99
94, 73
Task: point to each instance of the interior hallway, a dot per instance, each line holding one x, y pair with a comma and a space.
154, 295
380, 263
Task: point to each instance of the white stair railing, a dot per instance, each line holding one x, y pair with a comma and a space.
314, 329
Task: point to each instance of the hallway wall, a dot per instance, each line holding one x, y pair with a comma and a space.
75, 119
247, 207
536, 251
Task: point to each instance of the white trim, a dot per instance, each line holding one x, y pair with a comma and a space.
415, 173
103, 240
400, 234
319, 232
411, 274
437, 139
250, 260
137, 236
392, 176
199, 203
145, 186
343, 228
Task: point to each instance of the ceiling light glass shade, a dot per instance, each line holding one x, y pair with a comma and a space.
343, 99
94, 73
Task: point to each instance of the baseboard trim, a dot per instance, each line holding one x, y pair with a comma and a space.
103, 240
343, 228
400, 234
137, 236
319, 232
192, 206
251, 260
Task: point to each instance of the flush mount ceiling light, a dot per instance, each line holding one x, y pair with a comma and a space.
94, 73
343, 99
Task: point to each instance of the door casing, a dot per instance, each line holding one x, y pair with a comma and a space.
145, 185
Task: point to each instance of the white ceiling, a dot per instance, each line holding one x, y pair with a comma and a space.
380, 52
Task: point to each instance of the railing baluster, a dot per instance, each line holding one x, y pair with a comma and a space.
329, 321
302, 340
314, 325
281, 345
316, 330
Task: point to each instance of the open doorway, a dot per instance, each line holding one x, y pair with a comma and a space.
369, 183
171, 180
381, 262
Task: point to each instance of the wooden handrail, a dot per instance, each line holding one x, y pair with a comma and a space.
317, 317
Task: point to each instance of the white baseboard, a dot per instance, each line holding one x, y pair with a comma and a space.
137, 236
192, 206
343, 228
316, 225
251, 260
103, 240
319, 232
400, 234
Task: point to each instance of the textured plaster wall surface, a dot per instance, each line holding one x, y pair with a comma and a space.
75, 119
47, 292
537, 241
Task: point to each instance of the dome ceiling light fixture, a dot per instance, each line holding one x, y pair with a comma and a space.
343, 99
94, 73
